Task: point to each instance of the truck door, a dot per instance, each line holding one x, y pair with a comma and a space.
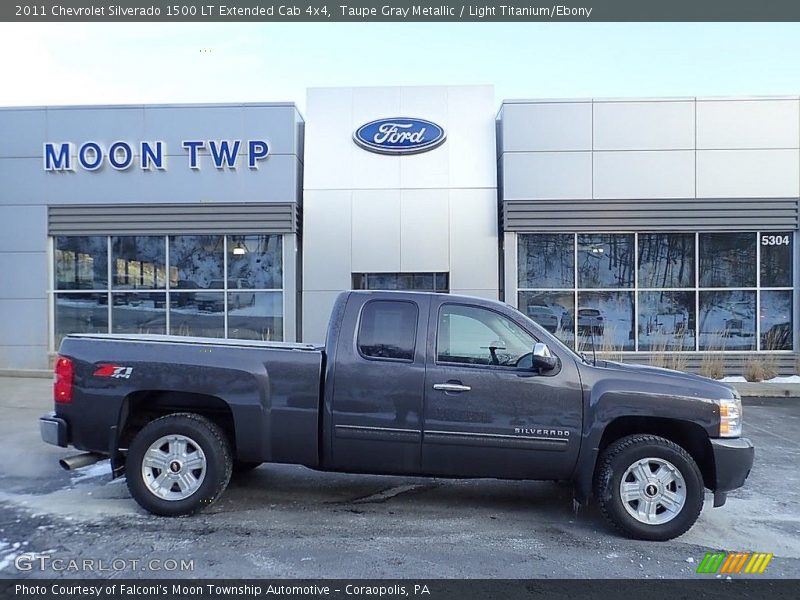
487, 413
376, 412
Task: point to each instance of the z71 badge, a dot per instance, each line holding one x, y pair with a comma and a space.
113, 371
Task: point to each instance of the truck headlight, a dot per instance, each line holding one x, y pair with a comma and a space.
730, 417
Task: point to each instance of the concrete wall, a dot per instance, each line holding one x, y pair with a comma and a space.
27, 189
647, 149
365, 212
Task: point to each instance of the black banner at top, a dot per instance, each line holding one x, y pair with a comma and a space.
286, 11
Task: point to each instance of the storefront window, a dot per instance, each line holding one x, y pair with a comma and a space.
81, 262
197, 261
776, 320
666, 260
552, 310
134, 312
666, 320
192, 287
138, 262
605, 260
255, 261
727, 320
546, 261
255, 315
200, 314
690, 291
605, 319
777, 250
727, 260
421, 282
80, 313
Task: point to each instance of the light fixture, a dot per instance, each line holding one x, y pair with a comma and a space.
239, 249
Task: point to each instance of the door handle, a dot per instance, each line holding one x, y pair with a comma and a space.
451, 387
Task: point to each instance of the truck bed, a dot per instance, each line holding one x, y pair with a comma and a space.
271, 389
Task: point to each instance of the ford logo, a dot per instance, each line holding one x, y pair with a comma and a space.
399, 136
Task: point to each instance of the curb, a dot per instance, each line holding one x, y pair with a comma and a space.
768, 390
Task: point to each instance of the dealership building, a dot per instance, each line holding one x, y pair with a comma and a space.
645, 227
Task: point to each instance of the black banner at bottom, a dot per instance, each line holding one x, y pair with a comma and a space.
434, 589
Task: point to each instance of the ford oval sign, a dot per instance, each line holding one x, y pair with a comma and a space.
399, 136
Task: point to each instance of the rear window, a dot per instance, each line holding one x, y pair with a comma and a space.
388, 330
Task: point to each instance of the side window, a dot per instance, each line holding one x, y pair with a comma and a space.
388, 329
477, 336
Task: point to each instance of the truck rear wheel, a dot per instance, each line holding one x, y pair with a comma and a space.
648, 487
178, 464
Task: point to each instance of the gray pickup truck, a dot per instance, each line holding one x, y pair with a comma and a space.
406, 384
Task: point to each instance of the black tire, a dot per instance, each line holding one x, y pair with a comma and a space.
240, 467
206, 435
624, 453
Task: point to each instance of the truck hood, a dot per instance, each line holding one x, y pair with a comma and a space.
693, 385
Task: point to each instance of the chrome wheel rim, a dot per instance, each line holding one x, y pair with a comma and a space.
174, 467
653, 491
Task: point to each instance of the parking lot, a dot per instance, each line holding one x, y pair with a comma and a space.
287, 521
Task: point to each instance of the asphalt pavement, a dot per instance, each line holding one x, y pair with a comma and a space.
288, 521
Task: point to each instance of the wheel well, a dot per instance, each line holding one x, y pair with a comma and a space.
142, 407
690, 436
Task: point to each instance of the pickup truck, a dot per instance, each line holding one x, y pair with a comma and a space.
406, 383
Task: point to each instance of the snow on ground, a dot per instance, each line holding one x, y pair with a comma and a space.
98, 469
779, 379
785, 379
9, 551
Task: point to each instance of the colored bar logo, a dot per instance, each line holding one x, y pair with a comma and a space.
728, 563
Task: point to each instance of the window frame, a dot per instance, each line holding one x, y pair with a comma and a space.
168, 290
695, 288
360, 321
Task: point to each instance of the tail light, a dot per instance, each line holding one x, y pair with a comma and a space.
62, 386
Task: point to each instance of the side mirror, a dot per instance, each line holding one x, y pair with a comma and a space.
541, 357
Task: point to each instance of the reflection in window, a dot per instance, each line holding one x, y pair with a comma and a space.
256, 261
80, 313
727, 260
255, 316
388, 329
81, 262
605, 260
666, 320
677, 277
552, 310
666, 260
777, 250
138, 262
776, 320
139, 312
478, 336
605, 318
197, 314
422, 282
727, 320
196, 260
546, 261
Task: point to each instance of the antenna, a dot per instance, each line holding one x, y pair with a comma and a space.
594, 352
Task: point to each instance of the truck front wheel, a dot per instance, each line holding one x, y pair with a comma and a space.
178, 464
648, 487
